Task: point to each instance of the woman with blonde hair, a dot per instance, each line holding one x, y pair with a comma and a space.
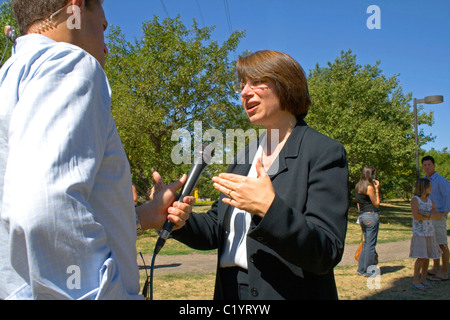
423, 242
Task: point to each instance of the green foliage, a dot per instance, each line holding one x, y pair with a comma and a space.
174, 76
6, 18
165, 81
369, 114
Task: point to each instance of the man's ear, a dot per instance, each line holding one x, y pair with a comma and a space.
75, 11
79, 3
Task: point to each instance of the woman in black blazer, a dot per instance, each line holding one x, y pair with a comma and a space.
281, 220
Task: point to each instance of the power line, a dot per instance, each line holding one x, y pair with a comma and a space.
165, 9
201, 14
227, 12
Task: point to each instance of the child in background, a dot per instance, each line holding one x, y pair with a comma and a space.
423, 242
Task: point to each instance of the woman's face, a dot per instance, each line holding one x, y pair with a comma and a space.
261, 103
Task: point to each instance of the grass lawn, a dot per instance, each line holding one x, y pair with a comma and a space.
394, 282
395, 225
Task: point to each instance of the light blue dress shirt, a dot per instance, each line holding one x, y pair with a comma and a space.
440, 192
68, 227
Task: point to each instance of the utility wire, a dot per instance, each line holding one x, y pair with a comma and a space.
200, 11
227, 12
165, 9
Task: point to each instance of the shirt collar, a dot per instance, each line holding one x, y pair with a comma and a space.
434, 176
32, 40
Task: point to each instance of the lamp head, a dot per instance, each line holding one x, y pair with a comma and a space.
434, 99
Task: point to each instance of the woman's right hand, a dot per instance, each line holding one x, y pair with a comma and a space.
376, 183
373, 193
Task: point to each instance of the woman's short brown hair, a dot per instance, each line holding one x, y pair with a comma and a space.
285, 72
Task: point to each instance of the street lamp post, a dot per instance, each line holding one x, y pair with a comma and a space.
427, 100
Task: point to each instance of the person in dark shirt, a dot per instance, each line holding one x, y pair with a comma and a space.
368, 201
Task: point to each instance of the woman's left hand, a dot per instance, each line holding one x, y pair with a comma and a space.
254, 195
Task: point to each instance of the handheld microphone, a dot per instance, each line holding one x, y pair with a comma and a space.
201, 161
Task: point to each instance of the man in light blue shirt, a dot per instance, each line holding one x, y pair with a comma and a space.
440, 194
68, 221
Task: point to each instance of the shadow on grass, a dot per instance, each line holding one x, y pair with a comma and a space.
396, 214
390, 269
401, 289
173, 265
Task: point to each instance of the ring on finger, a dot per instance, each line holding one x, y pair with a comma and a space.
229, 194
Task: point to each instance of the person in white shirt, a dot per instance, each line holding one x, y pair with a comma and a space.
68, 222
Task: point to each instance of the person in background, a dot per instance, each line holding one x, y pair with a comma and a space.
367, 197
281, 219
423, 242
440, 194
75, 235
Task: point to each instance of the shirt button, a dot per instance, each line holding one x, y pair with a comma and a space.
255, 292
260, 239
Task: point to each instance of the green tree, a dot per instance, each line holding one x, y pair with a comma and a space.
368, 113
165, 81
6, 18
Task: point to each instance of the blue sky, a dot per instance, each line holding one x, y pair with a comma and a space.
413, 40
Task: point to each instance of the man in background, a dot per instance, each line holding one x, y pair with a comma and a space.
440, 194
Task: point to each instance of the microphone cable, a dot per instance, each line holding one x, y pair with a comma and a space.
4, 51
152, 268
147, 291
205, 155
148, 286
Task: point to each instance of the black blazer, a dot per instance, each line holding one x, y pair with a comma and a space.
291, 251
